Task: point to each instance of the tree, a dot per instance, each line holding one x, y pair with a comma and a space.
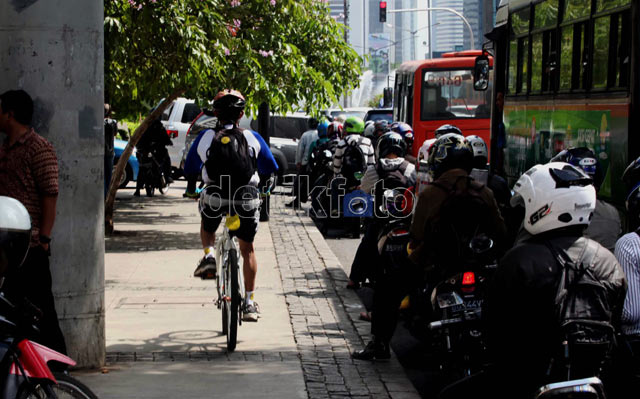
279, 52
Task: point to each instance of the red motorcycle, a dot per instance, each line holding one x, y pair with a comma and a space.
24, 364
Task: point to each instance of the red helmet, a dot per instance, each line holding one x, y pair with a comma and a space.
335, 131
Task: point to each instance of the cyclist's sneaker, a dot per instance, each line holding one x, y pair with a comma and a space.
251, 312
187, 194
206, 269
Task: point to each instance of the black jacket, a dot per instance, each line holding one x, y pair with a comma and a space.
522, 331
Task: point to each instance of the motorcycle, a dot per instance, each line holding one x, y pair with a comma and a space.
152, 172
24, 370
457, 310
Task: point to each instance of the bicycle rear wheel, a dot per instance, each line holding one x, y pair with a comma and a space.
233, 303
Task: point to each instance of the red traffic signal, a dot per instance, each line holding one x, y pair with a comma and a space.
383, 11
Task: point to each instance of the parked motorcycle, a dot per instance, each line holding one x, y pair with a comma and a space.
152, 171
24, 369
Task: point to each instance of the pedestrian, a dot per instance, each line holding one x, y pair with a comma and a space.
300, 186
110, 131
29, 173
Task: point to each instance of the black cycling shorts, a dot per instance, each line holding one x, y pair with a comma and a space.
249, 220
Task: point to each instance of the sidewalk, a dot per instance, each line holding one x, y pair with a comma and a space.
164, 332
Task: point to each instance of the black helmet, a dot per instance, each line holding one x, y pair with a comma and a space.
445, 129
631, 175
583, 158
451, 151
380, 127
15, 234
228, 105
390, 143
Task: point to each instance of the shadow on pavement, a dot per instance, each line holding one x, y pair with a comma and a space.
151, 240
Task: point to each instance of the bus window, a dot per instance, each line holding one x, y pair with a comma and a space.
574, 63
450, 95
575, 9
523, 65
520, 21
600, 52
603, 5
622, 46
513, 66
567, 57
545, 14
536, 63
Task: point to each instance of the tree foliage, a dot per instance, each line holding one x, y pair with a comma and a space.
280, 52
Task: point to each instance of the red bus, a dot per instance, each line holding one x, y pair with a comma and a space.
431, 93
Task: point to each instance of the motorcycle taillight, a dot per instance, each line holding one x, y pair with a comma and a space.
468, 278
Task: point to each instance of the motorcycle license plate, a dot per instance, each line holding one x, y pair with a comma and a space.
473, 304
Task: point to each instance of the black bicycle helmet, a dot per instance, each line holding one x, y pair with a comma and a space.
391, 143
631, 178
228, 105
451, 151
583, 158
446, 129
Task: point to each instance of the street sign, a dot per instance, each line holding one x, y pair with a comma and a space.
383, 11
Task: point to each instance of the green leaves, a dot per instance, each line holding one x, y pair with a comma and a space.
289, 54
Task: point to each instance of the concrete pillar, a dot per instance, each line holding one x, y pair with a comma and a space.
54, 50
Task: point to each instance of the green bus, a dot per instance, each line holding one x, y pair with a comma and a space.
568, 73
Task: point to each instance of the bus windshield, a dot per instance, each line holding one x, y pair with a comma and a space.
450, 95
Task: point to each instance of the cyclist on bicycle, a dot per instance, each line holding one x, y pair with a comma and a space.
230, 156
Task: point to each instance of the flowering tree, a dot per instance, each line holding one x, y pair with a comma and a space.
279, 52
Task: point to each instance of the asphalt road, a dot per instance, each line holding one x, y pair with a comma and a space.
412, 353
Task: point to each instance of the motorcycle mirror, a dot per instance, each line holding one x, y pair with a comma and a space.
481, 244
481, 73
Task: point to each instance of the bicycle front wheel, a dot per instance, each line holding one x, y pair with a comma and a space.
233, 302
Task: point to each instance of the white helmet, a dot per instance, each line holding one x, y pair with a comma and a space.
480, 152
423, 153
554, 195
369, 127
15, 233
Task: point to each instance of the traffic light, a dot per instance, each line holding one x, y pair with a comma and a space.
383, 11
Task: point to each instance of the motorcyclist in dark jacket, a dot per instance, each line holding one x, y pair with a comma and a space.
520, 312
391, 281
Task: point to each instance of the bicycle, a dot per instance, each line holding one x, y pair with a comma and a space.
230, 282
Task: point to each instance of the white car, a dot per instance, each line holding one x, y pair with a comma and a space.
176, 119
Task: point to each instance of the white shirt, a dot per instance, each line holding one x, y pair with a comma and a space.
628, 255
205, 143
